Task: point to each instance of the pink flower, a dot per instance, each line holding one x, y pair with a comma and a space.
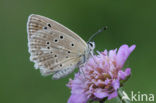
102, 76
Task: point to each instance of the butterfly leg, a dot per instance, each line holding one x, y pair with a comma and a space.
81, 69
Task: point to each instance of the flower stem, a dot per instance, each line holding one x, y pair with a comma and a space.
123, 96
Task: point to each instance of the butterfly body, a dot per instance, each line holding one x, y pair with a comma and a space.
54, 48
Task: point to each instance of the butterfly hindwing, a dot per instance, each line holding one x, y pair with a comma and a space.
52, 56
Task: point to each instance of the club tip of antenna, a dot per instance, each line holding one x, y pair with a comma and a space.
105, 27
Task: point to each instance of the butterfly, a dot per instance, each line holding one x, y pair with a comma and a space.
55, 49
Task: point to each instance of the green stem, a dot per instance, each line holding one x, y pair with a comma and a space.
121, 95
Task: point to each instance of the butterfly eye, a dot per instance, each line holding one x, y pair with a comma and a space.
91, 44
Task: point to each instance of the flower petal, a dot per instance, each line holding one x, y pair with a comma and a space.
113, 95
78, 98
123, 53
116, 84
112, 54
123, 74
99, 93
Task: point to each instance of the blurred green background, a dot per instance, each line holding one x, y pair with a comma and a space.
130, 22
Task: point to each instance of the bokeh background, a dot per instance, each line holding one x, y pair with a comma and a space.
129, 21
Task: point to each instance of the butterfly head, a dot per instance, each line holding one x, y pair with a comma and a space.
91, 46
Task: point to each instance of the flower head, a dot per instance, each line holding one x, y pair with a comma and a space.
101, 76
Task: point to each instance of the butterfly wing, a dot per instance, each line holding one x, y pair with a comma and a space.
52, 50
37, 22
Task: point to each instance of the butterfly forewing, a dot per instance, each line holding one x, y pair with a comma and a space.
54, 49
37, 22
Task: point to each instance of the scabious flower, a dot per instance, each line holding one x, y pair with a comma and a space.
101, 76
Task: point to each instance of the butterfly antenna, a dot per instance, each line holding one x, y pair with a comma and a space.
99, 31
